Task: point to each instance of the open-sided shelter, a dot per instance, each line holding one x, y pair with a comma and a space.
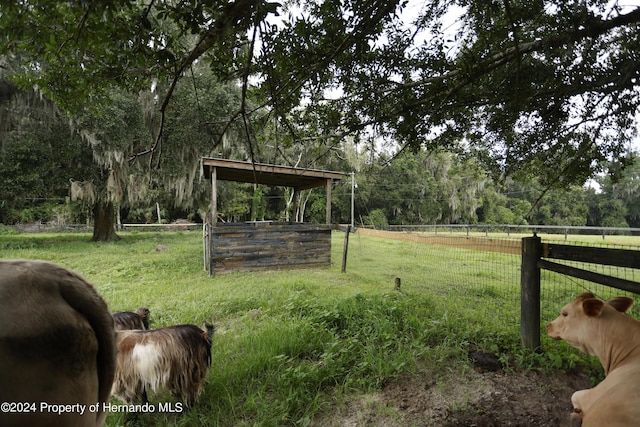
265, 244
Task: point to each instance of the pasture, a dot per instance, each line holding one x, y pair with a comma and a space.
317, 347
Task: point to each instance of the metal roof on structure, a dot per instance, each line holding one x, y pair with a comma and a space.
273, 175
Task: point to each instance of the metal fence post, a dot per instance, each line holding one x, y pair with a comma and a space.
530, 293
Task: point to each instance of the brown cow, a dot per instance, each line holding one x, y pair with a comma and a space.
57, 347
601, 329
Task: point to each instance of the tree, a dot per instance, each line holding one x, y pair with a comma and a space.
93, 149
618, 202
494, 209
39, 153
421, 188
561, 207
199, 123
120, 126
398, 192
544, 88
114, 128
613, 213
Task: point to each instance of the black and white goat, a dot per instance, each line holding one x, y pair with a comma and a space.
126, 320
57, 347
175, 358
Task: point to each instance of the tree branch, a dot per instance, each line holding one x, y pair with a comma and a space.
234, 17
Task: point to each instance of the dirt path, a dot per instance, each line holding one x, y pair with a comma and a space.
479, 399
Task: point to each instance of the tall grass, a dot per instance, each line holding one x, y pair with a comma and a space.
291, 344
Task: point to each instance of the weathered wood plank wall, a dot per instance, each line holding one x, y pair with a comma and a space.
257, 246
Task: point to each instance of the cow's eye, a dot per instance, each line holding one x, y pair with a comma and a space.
565, 314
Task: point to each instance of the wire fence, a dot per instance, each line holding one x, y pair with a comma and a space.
88, 228
482, 269
509, 229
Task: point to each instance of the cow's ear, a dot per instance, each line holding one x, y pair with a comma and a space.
592, 306
585, 295
622, 304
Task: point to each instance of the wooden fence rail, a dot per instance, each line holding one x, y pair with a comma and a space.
534, 253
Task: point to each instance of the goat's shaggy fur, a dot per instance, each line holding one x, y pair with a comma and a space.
175, 358
57, 344
128, 320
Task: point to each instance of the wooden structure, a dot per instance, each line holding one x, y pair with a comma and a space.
265, 244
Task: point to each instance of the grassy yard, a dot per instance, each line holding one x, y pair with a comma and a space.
290, 345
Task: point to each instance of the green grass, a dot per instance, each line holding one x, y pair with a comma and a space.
291, 344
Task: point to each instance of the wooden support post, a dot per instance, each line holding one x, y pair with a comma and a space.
530, 293
346, 249
353, 194
328, 210
214, 219
205, 243
214, 197
293, 214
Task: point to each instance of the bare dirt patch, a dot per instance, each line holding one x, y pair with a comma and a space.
482, 399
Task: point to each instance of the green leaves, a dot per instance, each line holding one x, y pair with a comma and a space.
529, 86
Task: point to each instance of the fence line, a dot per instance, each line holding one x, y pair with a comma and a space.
577, 267
86, 228
565, 230
477, 243
453, 269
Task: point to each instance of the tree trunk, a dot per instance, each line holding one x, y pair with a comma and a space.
104, 224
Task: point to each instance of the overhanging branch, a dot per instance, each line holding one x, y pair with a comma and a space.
235, 16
